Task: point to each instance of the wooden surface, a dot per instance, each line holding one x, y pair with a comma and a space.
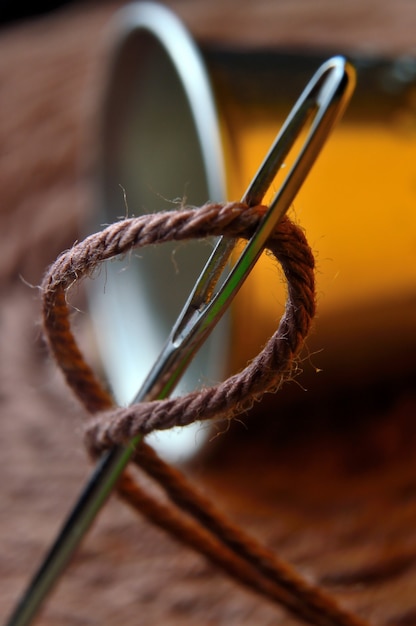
372, 26
331, 485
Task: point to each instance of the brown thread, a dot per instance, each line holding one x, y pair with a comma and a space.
209, 532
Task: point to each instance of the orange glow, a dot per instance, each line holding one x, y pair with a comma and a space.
358, 208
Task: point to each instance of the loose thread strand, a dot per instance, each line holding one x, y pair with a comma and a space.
208, 532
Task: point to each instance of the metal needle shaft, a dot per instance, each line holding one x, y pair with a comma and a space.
319, 106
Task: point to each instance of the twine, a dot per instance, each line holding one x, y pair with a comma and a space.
186, 514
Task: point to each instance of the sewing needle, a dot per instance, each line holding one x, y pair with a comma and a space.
319, 107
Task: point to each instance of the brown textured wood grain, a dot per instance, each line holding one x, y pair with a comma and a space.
334, 486
372, 26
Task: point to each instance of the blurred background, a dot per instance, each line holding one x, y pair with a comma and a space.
334, 480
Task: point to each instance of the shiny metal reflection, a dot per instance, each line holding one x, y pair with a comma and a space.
162, 145
183, 122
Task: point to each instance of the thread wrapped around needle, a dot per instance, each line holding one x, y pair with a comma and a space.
209, 531
265, 373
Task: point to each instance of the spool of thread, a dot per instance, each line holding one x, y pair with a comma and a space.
187, 124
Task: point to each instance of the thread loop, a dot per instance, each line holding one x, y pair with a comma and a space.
186, 514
